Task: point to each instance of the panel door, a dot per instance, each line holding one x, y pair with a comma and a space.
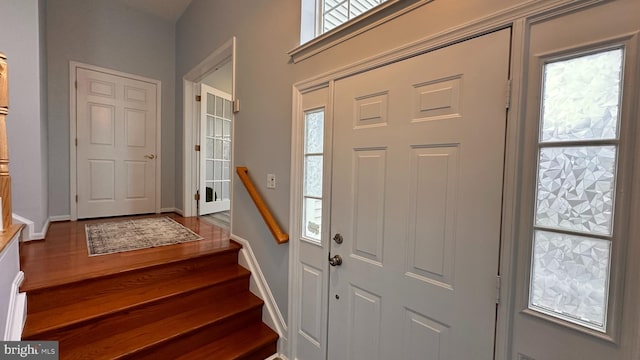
116, 148
578, 274
416, 195
215, 154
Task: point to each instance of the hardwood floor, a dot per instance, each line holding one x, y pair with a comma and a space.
188, 300
63, 257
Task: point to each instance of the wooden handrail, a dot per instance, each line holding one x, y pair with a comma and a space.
277, 233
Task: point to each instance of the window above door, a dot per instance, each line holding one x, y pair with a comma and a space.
325, 23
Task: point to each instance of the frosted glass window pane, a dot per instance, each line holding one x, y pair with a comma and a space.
210, 104
225, 170
313, 176
226, 130
226, 150
209, 172
217, 170
576, 188
581, 97
219, 101
314, 132
209, 148
210, 121
227, 109
218, 131
312, 218
570, 277
217, 152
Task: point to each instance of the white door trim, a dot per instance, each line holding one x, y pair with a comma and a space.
517, 17
190, 120
73, 173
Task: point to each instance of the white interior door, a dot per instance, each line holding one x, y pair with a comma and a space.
116, 144
416, 195
215, 150
578, 269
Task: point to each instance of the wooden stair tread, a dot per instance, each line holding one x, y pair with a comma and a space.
71, 292
237, 345
128, 341
109, 303
43, 276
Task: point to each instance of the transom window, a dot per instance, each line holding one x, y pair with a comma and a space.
578, 148
337, 12
321, 16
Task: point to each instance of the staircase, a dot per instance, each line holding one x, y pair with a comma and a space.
194, 308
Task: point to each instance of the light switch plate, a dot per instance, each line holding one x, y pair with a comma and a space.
271, 181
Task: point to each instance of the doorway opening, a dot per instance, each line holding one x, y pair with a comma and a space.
208, 132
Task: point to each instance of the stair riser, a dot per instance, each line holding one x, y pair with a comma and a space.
262, 353
107, 324
174, 348
50, 298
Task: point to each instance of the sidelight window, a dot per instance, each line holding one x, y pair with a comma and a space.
312, 186
578, 150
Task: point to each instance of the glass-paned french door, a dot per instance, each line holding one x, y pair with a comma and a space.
215, 150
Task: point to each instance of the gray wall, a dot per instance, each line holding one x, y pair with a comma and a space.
21, 31
266, 30
262, 127
111, 35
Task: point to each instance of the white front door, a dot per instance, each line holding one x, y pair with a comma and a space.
416, 195
215, 150
116, 144
577, 284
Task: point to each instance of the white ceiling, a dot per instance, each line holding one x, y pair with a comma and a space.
167, 9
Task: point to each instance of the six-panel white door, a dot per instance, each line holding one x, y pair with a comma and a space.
116, 145
416, 194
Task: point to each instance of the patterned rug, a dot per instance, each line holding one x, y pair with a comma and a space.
125, 235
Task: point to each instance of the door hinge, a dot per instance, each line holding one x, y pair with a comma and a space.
76, 84
198, 98
498, 285
76, 141
508, 99
76, 198
197, 147
236, 106
196, 197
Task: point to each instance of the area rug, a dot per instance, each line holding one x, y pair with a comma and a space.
126, 235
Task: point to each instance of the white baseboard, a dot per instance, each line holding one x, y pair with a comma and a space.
29, 233
17, 310
259, 287
59, 218
175, 210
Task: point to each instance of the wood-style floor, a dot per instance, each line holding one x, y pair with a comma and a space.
62, 256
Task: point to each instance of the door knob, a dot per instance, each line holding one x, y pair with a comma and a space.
150, 156
336, 260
